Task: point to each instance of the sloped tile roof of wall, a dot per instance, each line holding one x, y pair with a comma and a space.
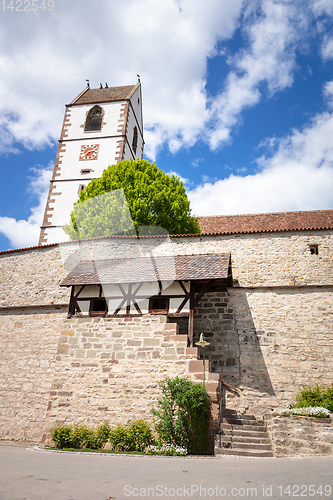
110, 94
243, 224
266, 223
144, 269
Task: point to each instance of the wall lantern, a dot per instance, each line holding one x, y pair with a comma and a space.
202, 343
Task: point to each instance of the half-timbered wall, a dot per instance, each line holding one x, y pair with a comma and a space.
138, 293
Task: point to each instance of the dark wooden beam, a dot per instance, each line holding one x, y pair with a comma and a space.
71, 306
78, 293
183, 303
183, 287
191, 314
203, 291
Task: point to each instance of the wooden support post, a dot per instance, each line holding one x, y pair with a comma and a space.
71, 307
191, 314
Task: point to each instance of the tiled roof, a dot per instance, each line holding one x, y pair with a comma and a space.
240, 224
144, 269
91, 96
265, 223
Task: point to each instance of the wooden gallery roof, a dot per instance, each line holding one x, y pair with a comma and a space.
145, 269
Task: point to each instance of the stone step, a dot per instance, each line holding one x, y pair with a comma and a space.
193, 351
213, 376
246, 439
235, 416
249, 428
196, 366
244, 453
243, 421
241, 433
246, 446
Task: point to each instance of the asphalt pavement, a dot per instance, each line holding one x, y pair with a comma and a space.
30, 474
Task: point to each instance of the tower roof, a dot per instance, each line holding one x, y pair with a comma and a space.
109, 94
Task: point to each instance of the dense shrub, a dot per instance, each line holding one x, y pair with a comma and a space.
140, 435
315, 396
80, 436
182, 416
135, 436
61, 435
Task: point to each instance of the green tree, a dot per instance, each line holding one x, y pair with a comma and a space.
153, 197
183, 414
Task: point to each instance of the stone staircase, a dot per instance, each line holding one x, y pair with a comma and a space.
242, 435
191, 356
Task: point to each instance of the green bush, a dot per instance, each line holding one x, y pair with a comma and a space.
80, 436
135, 436
140, 435
61, 435
315, 396
182, 416
119, 438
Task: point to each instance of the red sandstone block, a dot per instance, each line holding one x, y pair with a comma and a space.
193, 351
181, 338
176, 338
196, 365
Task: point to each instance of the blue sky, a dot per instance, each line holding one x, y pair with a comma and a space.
237, 98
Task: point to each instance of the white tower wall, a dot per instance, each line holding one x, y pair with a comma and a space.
121, 110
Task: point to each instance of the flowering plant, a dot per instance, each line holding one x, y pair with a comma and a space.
166, 450
309, 411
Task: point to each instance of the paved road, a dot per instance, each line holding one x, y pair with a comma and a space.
28, 474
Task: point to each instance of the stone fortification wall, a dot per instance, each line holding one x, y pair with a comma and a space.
28, 344
270, 259
300, 436
32, 277
55, 370
109, 369
269, 335
268, 343
258, 260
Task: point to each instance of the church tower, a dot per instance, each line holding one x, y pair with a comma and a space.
101, 127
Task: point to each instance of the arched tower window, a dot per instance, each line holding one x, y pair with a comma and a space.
135, 140
94, 119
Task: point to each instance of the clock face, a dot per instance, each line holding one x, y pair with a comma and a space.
89, 152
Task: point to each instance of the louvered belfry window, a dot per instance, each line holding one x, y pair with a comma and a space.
135, 140
94, 119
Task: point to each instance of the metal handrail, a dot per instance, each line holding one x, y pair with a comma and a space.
230, 386
222, 404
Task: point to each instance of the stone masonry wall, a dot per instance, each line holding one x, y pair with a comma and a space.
32, 276
270, 334
28, 344
109, 369
300, 436
268, 343
55, 370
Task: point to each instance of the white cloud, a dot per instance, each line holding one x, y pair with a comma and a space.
166, 41
25, 233
269, 60
321, 7
327, 48
299, 176
328, 93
